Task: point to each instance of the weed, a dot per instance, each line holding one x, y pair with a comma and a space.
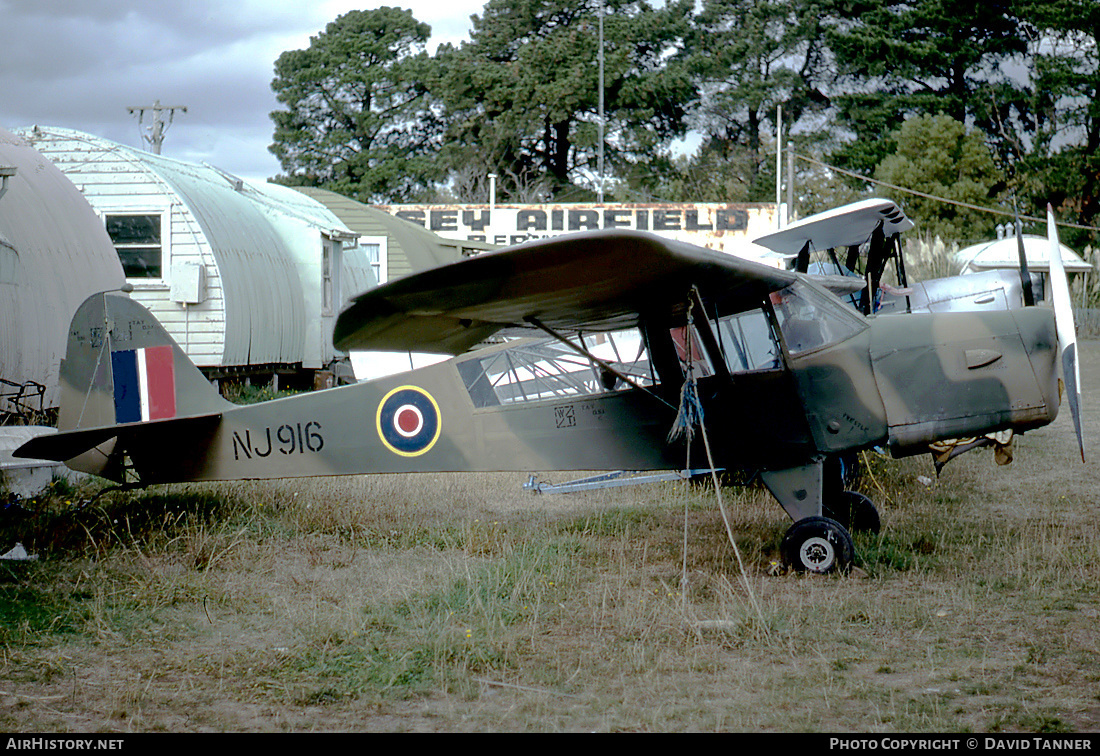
37, 611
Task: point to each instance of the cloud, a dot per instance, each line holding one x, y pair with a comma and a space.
81, 64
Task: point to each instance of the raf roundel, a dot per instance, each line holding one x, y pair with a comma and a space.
408, 421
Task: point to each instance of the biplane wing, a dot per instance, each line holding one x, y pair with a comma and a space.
846, 226
597, 281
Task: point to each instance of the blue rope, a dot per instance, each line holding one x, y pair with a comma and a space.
690, 413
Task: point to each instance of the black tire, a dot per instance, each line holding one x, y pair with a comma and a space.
818, 545
854, 511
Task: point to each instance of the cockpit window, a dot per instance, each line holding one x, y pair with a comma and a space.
747, 341
810, 319
689, 349
530, 370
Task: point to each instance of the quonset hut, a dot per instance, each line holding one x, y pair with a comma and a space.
397, 247
54, 253
247, 277
1003, 254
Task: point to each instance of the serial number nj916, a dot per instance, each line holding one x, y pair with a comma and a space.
297, 438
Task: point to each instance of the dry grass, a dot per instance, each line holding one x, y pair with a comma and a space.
463, 603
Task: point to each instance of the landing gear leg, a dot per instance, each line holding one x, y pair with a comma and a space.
850, 508
854, 511
816, 542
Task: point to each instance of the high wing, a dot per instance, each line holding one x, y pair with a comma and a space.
596, 281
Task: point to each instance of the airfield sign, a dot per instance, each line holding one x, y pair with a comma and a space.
712, 225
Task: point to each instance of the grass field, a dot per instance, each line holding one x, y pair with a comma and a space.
464, 603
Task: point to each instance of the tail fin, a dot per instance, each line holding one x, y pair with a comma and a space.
121, 366
123, 377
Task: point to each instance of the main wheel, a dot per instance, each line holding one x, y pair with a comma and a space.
817, 544
853, 510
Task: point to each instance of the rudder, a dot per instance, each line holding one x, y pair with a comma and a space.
121, 367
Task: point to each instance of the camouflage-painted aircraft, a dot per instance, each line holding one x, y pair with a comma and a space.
862, 239
786, 375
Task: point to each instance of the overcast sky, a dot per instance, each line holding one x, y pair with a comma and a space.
80, 63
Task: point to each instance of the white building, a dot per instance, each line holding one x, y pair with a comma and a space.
247, 277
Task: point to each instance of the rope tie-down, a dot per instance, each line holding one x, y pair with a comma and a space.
689, 415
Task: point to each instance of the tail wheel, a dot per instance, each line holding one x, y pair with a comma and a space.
818, 545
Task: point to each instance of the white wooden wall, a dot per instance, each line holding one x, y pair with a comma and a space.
113, 182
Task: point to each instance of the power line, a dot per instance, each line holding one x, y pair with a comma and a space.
966, 205
159, 127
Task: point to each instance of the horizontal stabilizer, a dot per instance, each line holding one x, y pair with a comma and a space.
66, 445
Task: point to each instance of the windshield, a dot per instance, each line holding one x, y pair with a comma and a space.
811, 319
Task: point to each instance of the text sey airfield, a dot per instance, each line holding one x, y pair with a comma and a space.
703, 224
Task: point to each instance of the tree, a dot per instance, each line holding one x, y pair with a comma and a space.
747, 57
899, 58
358, 118
937, 155
712, 173
1059, 137
521, 97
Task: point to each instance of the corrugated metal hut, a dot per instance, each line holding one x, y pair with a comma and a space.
247, 277
1004, 254
54, 252
397, 247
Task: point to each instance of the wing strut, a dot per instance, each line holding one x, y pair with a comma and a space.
903, 277
588, 355
877, 255
1025, 274
802, 262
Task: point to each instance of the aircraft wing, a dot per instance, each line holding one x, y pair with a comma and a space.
845, 226
595, 281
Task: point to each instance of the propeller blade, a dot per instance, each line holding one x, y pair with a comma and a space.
1025, 274
1067, 331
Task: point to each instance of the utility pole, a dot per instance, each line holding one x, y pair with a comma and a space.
779, 166
790, 182
599, 189
159, 127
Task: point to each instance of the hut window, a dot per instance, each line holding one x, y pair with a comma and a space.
326, 277
137, 240
377, 261
331, 260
